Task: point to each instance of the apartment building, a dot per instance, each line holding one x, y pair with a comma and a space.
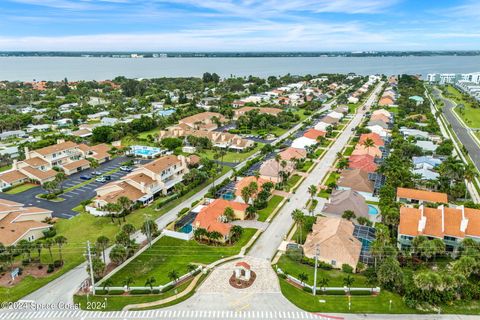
142, 184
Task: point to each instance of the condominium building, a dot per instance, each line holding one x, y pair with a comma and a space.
443, 78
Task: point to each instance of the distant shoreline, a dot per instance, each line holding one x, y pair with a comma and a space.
159, 55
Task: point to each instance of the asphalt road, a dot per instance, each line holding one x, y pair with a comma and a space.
460, 130
73, 198
268, 243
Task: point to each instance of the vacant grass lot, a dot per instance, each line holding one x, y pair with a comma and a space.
232, 156
272, 204
469, 115
168, 254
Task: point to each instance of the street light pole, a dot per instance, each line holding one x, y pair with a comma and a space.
92, 279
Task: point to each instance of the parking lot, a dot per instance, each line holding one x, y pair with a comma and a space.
74, 197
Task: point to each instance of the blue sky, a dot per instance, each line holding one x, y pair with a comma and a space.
243, 25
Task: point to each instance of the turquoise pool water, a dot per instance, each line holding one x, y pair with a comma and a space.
186, 228
228, 196
145, 151
372, 210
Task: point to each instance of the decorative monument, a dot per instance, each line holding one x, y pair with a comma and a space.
242, 276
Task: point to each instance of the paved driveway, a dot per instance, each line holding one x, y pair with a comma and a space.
72, 198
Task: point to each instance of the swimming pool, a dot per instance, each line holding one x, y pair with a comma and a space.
145, 152
228, 196
372, 210
186, 228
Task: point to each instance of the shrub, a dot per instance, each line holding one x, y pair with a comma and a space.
57, 263
335, 292
360, 293
347, 268
144, 291
183, 211
50, 268
307, 289
49, 233
168, 288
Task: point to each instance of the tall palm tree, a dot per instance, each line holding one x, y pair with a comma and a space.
128, 229
278, 158
125, 204
469, 175
48, 244
107, 284
102, 244
323, 282
246, 193
298, 218
60, 177
60, 241
312, 190
303, 277
127, 282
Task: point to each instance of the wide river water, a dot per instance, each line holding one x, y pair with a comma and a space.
79, 68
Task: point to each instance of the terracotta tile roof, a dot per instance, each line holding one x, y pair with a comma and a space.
242, 264
77, 164
373, 136
36, 162
330, 120
41, 175
127, 190
208, 217
438, 225
362, 162
423, 195
162, 163
12, 230
361, 150
314, 134
245, 182
10, 203
380, 117
140, 177
56, 148
382, 111
201, 117
12, 176
293, 153
334, 237
271, 168
386, 101
355, 179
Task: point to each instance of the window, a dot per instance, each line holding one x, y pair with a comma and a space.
333, 263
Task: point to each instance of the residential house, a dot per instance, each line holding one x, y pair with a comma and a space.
425, 174
333, 239
18, 222
364, 162
377, 139
378, 130
344, 200
314, 134
426, 162
303, 143
417, 134
380, 117
386, 101
270, 170
415, 196
330, 120
417, 99
383, 112
293, 153
202, 121
107, 121
361, 150
378, 123
5, 135
426, 145
245, 182
451, 225
322, 126
211, 217
358, 180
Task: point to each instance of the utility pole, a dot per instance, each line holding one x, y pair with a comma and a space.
317, 253
147, 226
92, 279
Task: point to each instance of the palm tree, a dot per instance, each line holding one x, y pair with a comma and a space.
150, 282
38, 246
124, 204
253, 187
127, 282
303, 277
312, 190
229, 214
323, 282
93, 163
102, 244
299, 218
215, 236
128, 229
368, 143
107, 284
199, 233
48, 244
348, 281
173, 275
246, 193
277, 159
191, 267
469, 175
60, 177
60, 241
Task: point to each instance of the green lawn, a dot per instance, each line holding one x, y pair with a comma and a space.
169, 254
339, 304
232, 156
335, 277
5, 168
292, 182
306, 166
21, 188
319, 152
85, 227
117, 302
470, 115
348, 151
272, 204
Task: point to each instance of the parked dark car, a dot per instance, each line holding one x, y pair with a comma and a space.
108, 177
86, 177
